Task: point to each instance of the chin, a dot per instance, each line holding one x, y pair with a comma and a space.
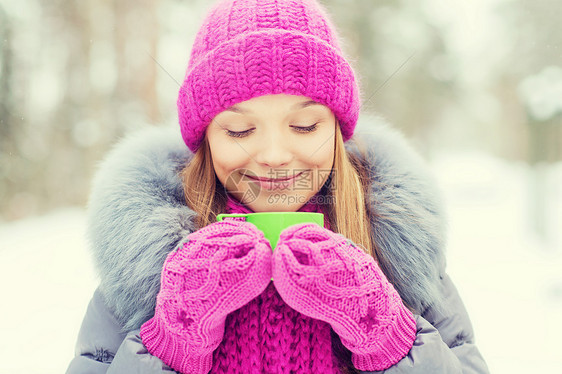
259, 207
273, 203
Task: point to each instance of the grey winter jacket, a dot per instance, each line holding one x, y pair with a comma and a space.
137, 215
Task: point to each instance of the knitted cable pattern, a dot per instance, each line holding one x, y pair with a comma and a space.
268, 336
214, 272
325, 276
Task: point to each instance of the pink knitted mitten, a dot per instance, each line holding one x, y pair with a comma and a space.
325, 276
215, 271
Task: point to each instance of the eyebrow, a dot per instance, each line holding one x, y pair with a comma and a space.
305, 104
236, 110
301, 105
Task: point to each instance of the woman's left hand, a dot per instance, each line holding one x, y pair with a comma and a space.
325, 276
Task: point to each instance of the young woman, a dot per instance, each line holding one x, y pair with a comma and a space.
267, 110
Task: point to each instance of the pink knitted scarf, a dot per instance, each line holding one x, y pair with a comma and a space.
267, 336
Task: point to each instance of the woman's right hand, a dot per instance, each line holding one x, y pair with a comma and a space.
215, 271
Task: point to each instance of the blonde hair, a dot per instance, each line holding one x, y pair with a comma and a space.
348, 211
345, 192
200, 187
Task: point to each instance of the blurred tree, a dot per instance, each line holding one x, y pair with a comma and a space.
398, 54
5, 79
534, 51
135, 38
534, 71
89, 79
6, 103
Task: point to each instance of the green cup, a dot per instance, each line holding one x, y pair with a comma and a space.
272, 223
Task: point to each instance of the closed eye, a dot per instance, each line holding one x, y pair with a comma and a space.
239, 134
305, 129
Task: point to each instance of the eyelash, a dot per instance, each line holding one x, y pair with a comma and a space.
239, 134
306, 129
242, 134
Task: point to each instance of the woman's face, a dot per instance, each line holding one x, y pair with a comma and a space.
273, 152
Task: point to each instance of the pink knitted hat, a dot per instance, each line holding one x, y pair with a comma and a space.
249, 48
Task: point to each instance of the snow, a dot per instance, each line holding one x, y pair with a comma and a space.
46, 281
510, 278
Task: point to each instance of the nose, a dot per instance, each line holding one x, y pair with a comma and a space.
274, 152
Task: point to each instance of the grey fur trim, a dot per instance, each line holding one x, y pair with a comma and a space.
137, 215
409, 223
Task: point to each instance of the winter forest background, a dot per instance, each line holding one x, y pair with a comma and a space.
475, 85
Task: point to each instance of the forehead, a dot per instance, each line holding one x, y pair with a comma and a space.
273, 103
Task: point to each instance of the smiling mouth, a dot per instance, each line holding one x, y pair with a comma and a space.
274, 183
273, 180
265, 179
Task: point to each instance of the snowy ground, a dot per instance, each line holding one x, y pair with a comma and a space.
510, 279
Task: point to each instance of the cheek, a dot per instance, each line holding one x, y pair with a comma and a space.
227, 159
320, 151
325, 157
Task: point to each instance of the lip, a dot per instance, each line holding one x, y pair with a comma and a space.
274, 183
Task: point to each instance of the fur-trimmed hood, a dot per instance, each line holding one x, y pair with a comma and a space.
137, 215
